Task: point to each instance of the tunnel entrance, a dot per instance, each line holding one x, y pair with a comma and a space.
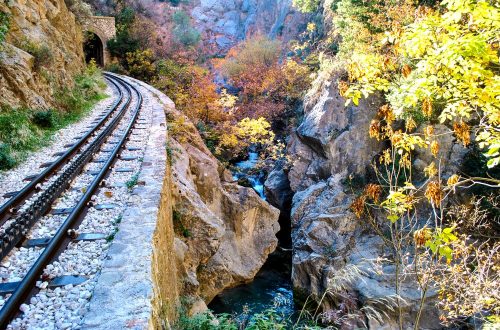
93, 48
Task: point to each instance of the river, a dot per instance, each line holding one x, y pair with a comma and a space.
272, 286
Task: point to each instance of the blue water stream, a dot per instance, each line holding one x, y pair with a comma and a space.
271, 287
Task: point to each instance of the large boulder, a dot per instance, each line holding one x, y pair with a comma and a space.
332, 137
224, 232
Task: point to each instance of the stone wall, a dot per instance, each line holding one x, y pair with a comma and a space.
105, 28
137, 287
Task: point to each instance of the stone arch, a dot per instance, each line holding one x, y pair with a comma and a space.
104, 29
93, 48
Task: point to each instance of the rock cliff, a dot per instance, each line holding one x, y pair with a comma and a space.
224, 232
224, 23
331, 247
42, 53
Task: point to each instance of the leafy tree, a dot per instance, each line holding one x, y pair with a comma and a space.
183, 32
443, 66
124, 42
306, 6
140, 64
267, 86
192, 89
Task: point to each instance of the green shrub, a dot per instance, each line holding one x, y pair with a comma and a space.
183, 32
6, 159
4, 26
306, 6
23, 130
42, 53
206, 321
114, 67
16, 129
45, 118
124, 42
86, 91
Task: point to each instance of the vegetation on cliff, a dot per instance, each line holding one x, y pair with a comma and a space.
437, 67
23, 130
258, 86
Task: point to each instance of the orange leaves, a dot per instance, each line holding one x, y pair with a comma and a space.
428, 131
462, 131
421, 236
358, 206
434, 193
385, 112
374, 191
266, 85
434, 148
406, 70
427, 107
374, 130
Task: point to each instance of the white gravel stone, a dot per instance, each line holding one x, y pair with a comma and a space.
64, 307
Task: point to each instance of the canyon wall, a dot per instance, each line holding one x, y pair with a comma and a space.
332, 248
224, 23
42, 52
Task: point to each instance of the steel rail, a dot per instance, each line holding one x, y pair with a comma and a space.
28, 284
18, 229
7, 209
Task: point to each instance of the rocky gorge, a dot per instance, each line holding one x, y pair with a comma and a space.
224, 232
265, 217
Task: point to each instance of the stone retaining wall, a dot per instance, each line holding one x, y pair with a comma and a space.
137, 285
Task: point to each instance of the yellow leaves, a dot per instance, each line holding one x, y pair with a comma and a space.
255, 130
311, 27
453, 180
343, 87
244, 133
435, 148
227, 100
431, 170
405, 142
386, 157
179, 129
397, 203
440, 242
427, 107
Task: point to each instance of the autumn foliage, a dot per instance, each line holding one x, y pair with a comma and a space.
268, 84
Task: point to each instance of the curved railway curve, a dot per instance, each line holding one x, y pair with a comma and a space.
23, 209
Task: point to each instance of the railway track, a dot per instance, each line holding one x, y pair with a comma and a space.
100, 147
